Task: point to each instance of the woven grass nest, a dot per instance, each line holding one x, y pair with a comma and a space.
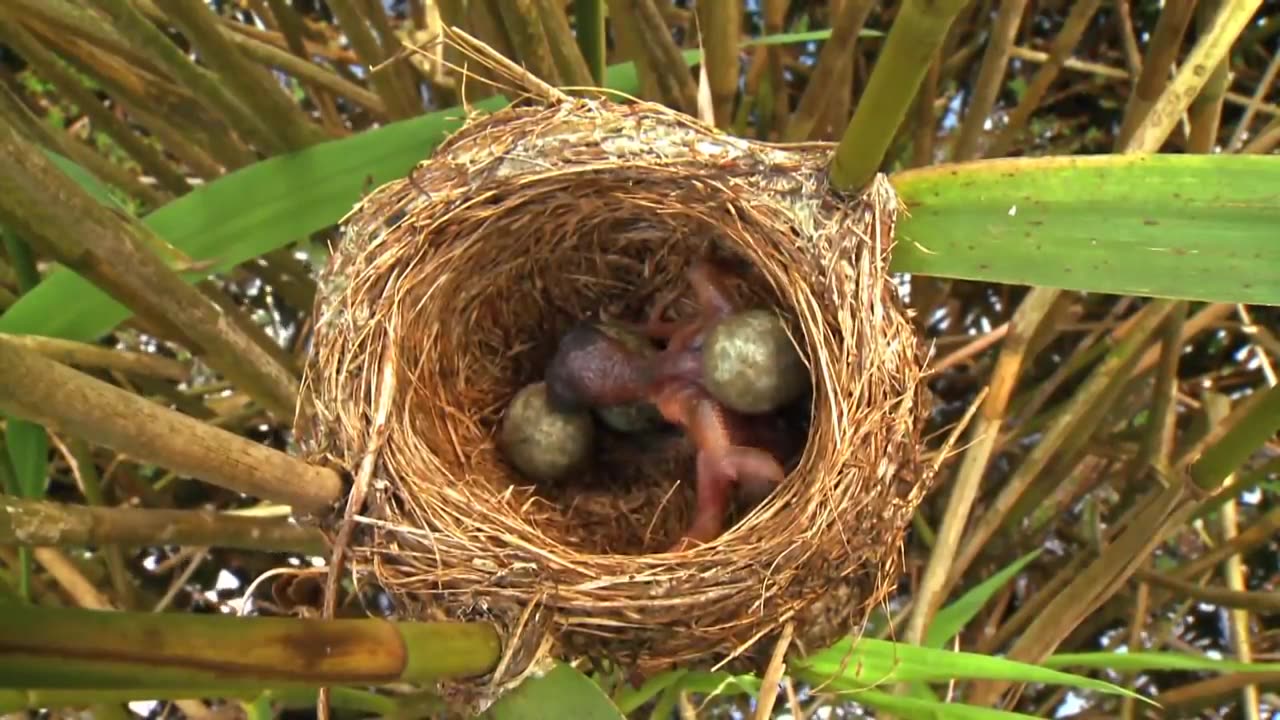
449, 293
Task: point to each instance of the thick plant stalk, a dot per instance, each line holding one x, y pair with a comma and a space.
115, 252
837, 53
1161, 54
46, 64
1205, 112
917, 32
719, 24
1265, 85
79, 354
986, 428
254, 87
568, 59
366, 45
321, 81
664, 57
1195, 72
65, 400
995, 61
1235, 574
532, 46
1117, 364
627, 31
17, 114
202, 83
1064, 44
290, 26
43, 647
590, 35
404, 72
45, 524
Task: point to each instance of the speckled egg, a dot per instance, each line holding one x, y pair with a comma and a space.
634, 417
750, 364
543, 444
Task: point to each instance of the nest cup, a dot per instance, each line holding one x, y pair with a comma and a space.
449, 292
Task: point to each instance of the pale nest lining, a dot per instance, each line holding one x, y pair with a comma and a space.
462, 276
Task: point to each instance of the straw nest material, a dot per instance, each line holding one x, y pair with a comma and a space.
449, 293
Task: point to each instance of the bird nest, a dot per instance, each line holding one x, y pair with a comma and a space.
449, 293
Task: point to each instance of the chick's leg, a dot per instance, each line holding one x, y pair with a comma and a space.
757, 471
712, 502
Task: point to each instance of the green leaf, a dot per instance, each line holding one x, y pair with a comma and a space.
1198, 227
873, 662
28, 446
628, 699
1143, 661
951, 620
914, 709
561, 693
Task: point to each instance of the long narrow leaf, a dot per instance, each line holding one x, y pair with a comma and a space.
874, 662
914, 709
951, 620
1142, 661
1198, 227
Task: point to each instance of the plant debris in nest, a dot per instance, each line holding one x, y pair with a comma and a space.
449, 294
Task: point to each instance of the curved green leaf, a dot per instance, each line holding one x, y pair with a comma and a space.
915, 709
870, 663
1144, 661
561, 693
951, 620
1198, 227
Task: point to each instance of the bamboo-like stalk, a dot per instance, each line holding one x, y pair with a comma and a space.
1161, 53
80, 458
926, 131
69, 352
290, 27
568, 59
321, 81
40, 390
1026, 319
1157, 440
1236, 596
47, 65
115, 252
366, 45
629, 38
837, 53
253, 86
394, 60
1231, 442
1265, 85
917, 32
18, 116
39, 524
590, 35
1205, 111
67, 649
532, 48
1064, 44
204, 84
669, 67
775, 15
995, 61
1194, 73
720, 23
1069, 420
